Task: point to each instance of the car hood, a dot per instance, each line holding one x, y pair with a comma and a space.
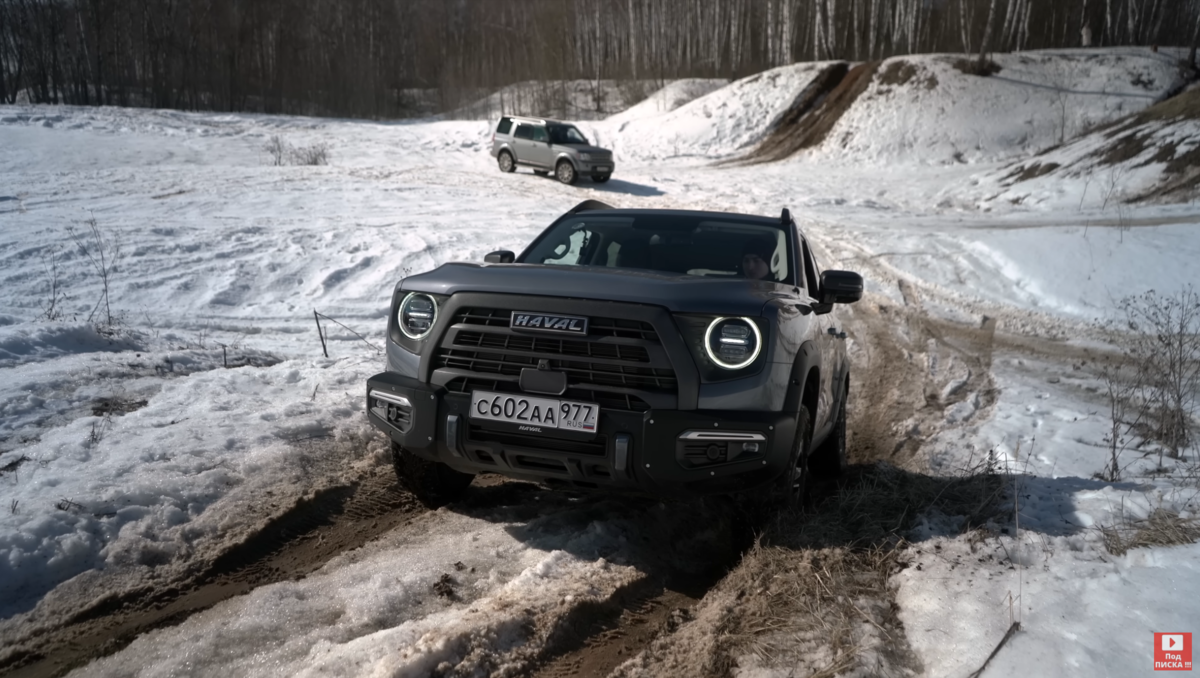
676, 293
585, 148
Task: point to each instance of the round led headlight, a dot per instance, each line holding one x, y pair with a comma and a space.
417, 314
732, 343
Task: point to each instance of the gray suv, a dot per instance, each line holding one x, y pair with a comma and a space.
549, 146
668, 352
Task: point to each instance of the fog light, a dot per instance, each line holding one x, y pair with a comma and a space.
713, 452
750, 447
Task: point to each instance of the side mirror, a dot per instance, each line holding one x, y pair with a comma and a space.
500, 257
841, 287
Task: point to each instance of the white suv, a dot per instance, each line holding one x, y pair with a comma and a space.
549, 146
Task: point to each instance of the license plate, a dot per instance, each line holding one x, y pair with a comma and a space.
602, 168
533, 415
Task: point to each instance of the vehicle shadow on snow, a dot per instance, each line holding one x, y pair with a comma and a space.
627, 187
618, 186
880, 505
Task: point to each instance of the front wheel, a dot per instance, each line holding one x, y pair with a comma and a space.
791, 489
434, 484
506, 162
829, 460
565, 172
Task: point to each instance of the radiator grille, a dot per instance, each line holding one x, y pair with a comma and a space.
616, 355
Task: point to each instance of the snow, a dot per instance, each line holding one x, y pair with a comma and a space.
715, 125
1038, 99
224, 257
374, 613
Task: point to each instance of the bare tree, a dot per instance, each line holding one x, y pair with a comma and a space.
987, 35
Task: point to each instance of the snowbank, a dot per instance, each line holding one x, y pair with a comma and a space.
923, 109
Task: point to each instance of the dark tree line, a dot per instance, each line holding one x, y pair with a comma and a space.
370, 58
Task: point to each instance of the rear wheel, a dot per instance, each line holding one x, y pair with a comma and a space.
433, 483
565, 172
506, 162
829, 460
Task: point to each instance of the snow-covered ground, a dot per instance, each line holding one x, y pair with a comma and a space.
132, 453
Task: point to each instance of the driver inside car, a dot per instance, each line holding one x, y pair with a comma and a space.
756, 259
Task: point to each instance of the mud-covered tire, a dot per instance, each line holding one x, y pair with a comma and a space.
601, 178
506, 162
829, 460
565, 172
432, 483
791, 489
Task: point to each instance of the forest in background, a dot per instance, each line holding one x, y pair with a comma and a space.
383, 58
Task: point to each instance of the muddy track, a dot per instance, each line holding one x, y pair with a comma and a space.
598, 638
920, 375
289, 547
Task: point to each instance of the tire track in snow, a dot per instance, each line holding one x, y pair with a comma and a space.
289, 547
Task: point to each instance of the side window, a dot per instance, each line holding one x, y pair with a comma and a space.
810, 271
539, 134
524, 132
504, 126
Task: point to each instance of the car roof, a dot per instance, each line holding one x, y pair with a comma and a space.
524, 118
697, 214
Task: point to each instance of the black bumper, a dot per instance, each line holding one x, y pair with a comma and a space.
631, 451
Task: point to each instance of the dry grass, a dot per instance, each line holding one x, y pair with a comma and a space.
1185, 106
813, 591
1161, 528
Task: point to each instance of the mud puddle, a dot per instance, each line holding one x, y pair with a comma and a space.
290, 547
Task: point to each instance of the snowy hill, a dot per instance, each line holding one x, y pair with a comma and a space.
1152, 155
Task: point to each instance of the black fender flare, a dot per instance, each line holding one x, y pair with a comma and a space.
804, 383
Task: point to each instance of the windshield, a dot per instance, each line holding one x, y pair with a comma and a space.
566, 134
681, 245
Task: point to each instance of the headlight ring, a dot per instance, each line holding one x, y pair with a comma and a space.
732, 343
416, 315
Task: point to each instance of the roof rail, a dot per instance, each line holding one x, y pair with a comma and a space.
786, 217
588, 206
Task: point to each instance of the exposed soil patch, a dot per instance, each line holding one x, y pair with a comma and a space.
901, 72
1185, 106
1030, 171
975, 67
292, 546
1124, 149
815, 112
597, 638
118, 406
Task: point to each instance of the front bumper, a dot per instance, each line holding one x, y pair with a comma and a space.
631, 451
596, 169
